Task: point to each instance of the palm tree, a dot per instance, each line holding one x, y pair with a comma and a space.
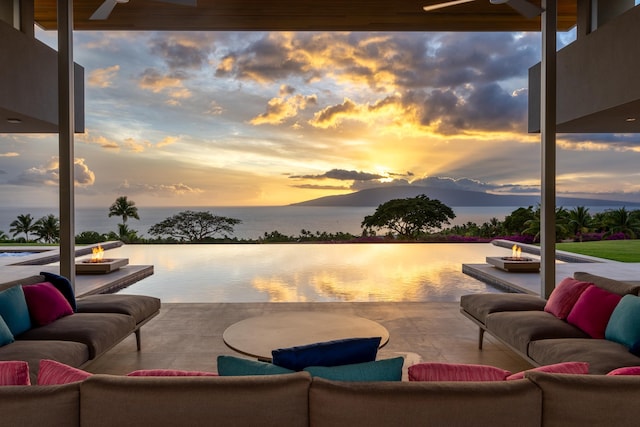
23, 224
48, 228
124, 208
580, 221
534, 225
622, 221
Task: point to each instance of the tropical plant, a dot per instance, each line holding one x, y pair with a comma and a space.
533, 226
622, 221
514, 223
47, 229
580, 221
192, 226
124, 208
409, 217
23, 224
89, 237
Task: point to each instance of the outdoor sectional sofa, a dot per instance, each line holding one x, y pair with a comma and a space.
521, 323
541, 399
98, 323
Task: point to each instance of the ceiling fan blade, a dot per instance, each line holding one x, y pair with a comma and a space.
104, 10
526, 9
445, 4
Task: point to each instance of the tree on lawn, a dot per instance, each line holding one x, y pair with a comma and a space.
409, 217
124, 208
192, 226
23, 224
48, 229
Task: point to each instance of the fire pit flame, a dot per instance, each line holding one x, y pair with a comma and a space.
516, 255
98, 254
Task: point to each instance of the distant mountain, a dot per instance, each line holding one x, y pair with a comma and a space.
377, 196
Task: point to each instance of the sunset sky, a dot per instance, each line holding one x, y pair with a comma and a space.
255, 118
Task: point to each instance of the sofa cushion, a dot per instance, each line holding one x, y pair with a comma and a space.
556, 368
329, 353
6, 337
140, 307
98, 331
379, 370
46, 303
587, 400
592, 311
63, 285
627, 370
14, 310
624, 323
601, 355
564, 296
455, 372
14, 372
236, 366
611, 285
518, 328
496, 403
52, 372
170, 373
481, 305
266, 401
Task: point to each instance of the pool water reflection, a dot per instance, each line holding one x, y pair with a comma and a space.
308, 272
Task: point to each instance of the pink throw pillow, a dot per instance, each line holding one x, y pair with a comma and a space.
564, 297
52, 372
592, 311
170, 373
14, 372
455, 372
557, 368
627, 370
46, 303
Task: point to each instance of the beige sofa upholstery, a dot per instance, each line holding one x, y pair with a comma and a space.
298, 400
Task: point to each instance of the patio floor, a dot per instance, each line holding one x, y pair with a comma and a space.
189, 336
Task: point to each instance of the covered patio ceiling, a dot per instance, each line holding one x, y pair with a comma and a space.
302, 15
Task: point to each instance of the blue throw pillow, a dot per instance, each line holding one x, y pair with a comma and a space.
381, 370
330, 353
236, 366
64, 286
6, 337
14, 311
624, 323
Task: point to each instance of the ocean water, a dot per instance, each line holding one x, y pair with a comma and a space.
256, 220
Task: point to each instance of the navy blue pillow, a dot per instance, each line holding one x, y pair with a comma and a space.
62, 284
330, 353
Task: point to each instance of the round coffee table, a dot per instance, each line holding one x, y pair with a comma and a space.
258, 336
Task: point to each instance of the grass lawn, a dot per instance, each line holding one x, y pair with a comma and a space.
617, 250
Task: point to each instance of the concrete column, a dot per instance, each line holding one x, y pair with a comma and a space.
548, 136
65, 139
27, 17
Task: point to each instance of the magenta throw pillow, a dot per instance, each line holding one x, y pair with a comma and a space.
627, 370
557, 368
592, 311
14, 372
455, 372
46, 303
564, 297
51, 372
170, 373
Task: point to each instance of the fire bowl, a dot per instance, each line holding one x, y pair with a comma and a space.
515, 264
103, 266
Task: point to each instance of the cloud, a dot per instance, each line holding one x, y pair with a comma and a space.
103, 77
10, 154
153, 80
167, 140
281, 109
343, 175
48, 174
322, 187
181, 50
160, 190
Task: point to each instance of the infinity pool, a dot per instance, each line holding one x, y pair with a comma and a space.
308, 272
